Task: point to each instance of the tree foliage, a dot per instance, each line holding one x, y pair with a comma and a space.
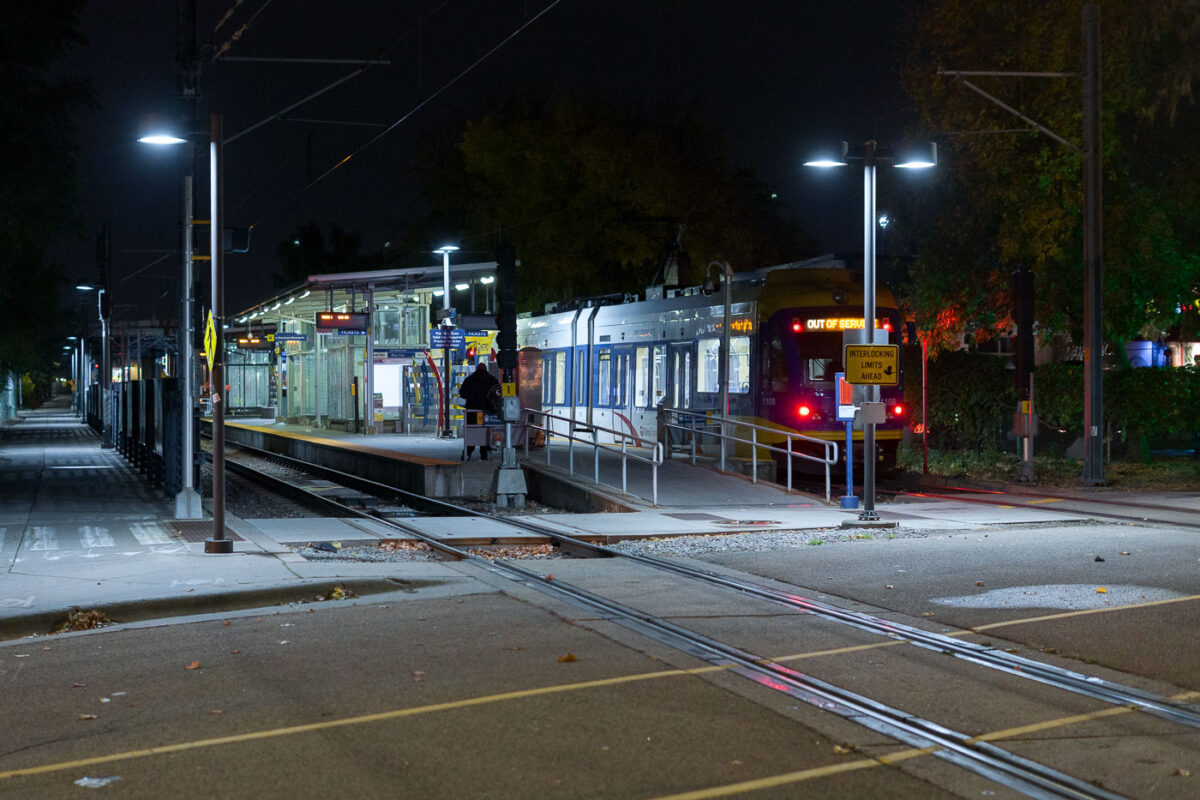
1013, 197
37, 173
309, 252
592, 198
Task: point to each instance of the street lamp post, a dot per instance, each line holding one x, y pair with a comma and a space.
159, 130
726, 321
911, 157
447, 326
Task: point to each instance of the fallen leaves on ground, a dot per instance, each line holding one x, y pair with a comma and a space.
85, 717
842, 749
569, 657
403, 545
1101, 590
513, 552
83, 621
193, 665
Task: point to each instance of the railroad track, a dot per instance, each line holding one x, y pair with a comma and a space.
962, 749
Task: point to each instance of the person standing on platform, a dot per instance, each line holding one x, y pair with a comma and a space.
477, 390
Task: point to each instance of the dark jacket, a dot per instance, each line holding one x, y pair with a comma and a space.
477, 391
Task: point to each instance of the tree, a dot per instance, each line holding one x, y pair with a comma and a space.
593, 198
1012, 198
37, 174
306, 253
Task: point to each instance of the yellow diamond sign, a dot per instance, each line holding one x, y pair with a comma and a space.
210, 340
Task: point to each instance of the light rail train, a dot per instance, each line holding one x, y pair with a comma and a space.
613, 361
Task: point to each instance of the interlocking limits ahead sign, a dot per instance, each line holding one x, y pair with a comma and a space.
877, 364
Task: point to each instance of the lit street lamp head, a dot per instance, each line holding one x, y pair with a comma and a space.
161, 129
831, 154
917, 155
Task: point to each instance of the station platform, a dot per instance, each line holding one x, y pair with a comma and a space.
80, 528
446, 474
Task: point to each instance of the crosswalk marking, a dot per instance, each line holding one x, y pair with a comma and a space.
43, 539
148, 533
95, 536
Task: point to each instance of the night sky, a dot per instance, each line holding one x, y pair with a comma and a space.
772, 74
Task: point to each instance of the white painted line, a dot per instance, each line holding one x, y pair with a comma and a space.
95, 536
43, 539
148, 533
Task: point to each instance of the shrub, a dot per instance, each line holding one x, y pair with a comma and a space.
971, 399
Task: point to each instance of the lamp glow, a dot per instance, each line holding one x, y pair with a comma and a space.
161, 138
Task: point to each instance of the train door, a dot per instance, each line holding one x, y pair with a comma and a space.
680, 365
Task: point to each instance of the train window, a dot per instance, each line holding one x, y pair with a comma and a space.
603, 376
641, 378
822, 369
739, 365
708, 371
777, 366
620, 379
558, 377
581, 378
682, 369
659, 381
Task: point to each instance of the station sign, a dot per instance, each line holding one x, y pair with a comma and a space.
441, 337
353, 323
876, 364
845, 397
254, 343
284, 336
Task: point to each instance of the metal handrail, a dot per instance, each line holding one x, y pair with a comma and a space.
655, 459
831, 448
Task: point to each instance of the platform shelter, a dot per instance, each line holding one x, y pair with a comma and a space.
357, 351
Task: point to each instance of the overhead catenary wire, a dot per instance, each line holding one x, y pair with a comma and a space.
426, 101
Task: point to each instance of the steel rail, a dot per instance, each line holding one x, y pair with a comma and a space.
1102, 514
981, 655
965, 751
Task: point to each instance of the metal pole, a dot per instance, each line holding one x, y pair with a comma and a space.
106, 404
447, 325
924, 405
727, 285
187, 501
1093, 271
218, 543
868, 510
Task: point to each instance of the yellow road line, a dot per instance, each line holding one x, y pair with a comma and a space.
773, 781
1069, 614
347, 721
1046, 500
571, 687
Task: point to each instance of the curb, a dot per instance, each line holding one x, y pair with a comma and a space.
42, 623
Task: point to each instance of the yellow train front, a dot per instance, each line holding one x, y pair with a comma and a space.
804, 315
613, 363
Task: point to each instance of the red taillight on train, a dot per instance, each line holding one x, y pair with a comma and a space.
804, 411
797, 326
887, 325
898, 410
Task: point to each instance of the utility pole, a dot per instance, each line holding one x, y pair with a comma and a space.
1093, 261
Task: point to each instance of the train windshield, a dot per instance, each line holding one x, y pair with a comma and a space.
821, 354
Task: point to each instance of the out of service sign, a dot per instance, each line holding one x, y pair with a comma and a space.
877, 364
